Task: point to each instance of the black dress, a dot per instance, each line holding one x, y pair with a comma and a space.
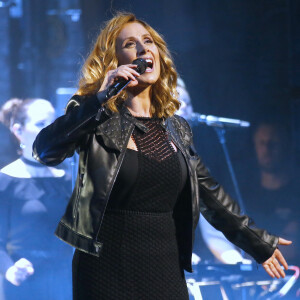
139, 259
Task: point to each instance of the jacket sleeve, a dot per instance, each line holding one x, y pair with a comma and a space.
60, 139
223, 213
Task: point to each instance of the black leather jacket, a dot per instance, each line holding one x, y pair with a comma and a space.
101, 138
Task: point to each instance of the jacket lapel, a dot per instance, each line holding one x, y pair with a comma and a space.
114, 130
178, 131
111, 133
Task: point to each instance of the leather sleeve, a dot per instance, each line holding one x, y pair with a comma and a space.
60, 139
222, 212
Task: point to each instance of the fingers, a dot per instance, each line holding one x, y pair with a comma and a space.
272, 265
23, 263
268, 270
278, 268
282, 241
274, 270
23, 274
280, 258
30, 270
126, 74
24, 267
125, 71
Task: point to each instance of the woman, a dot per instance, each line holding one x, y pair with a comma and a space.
140, 184
32, 199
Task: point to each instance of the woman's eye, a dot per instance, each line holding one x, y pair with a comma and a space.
129, 44
148, 41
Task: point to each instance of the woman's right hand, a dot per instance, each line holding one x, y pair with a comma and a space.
123, 71
19, 272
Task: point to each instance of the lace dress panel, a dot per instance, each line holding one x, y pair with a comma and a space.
155, 143
159, 172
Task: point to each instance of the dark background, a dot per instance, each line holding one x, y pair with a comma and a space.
239, 59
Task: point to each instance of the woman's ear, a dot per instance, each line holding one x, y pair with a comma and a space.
16, 129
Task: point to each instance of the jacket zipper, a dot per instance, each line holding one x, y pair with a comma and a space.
114, 179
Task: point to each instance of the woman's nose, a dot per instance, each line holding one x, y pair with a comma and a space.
142, 49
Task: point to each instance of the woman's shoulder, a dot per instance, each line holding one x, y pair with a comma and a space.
75, 100
15, 169
18, 169
181, 124
92, 99
182, 129
7, 182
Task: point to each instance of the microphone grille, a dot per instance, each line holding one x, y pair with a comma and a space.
141, 65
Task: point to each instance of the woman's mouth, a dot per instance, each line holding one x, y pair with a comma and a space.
149, 65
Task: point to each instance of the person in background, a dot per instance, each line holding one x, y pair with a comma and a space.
9, 150
186, 107
34, 263
276, 184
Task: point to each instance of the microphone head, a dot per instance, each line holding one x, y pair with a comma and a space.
141, 65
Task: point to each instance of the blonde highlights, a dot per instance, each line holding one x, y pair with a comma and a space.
103, 58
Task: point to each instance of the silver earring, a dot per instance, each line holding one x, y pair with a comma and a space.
22, 146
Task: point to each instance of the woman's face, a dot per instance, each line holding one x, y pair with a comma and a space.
134, 41
40, 113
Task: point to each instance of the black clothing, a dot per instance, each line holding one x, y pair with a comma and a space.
153, 172
29, 210
140, 258
278, 213
102, 138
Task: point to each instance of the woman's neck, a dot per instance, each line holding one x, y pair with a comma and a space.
139, 104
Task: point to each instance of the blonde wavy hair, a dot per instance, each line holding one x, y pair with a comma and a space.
103, 58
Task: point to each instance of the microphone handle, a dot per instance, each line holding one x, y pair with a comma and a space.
117, 87
121, 83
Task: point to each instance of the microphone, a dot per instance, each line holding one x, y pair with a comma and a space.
215, 121
121, 83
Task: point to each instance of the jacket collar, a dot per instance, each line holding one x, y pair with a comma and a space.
114, 129
126, 113
178, 132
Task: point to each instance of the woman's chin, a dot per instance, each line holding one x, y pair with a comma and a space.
148, 80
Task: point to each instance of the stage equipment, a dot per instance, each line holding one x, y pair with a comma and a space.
234, 282
215, 121
220, 124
